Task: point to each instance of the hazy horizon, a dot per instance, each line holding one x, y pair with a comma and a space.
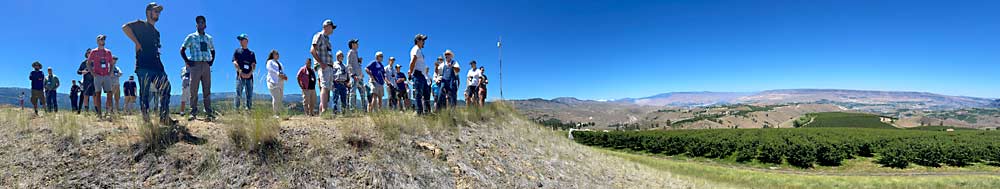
587, 50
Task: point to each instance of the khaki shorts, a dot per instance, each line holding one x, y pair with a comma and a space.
104, 84
376, 90
185, 94
37, 97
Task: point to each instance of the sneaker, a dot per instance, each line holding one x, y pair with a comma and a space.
168, 121
210, 118
192, 117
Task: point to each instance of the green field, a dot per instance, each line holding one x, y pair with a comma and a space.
810, 147
722, 176
845, 119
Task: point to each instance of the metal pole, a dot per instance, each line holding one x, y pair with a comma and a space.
500, 57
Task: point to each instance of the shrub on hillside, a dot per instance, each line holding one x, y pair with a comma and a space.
830, 153
928, 152
897, 155
746, 150
771, 150
961, 154
801, 152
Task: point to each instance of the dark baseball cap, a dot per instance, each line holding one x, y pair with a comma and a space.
420, 37
329, 22
154, 6
242, 37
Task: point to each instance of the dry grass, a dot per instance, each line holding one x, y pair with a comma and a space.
67, 126
19, 119
485, 147
256, 130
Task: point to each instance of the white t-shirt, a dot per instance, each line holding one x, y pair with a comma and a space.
420, 65
474, 76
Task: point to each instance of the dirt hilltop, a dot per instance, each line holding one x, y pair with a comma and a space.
482, 148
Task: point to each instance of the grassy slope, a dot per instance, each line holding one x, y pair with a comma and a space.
846, 119
764, 179
487, 148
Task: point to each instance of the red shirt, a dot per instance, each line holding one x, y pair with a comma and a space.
100, 61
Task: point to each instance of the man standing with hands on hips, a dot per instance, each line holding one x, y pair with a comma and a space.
148, 66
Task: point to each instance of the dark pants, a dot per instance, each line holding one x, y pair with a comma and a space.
88, 93
50, 101
149, 81
421, 92
340, 97
442, 99
454, 92
244, 89
74, 100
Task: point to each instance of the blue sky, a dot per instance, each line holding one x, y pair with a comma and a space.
585, 49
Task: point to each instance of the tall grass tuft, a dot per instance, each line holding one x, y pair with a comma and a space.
256, 130
149, 133
67, 127
394, 123
20, 119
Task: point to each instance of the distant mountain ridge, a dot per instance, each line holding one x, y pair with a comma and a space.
781, 96
684, 99
929, 100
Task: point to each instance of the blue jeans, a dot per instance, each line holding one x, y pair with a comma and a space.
50, 101
446, 98
340, 97
73, 102
158, 80
454, 93
421, 92
244, 89
358, 89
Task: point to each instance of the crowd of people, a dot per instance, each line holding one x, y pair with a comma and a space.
353, 85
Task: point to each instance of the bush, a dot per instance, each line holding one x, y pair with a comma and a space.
771, 150
801, 153
928, 153
897, 156
805, 147
960, 154
830, 153
746, 150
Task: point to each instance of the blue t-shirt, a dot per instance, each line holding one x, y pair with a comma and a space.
376, 68
37, 80
400, 85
